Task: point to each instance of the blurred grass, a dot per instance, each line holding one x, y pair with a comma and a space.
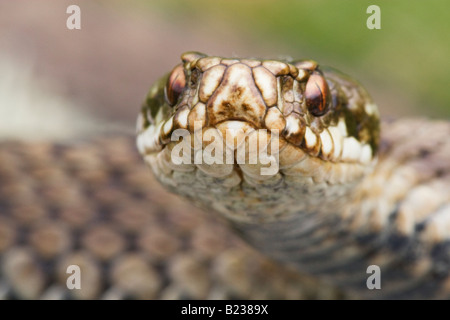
408, 57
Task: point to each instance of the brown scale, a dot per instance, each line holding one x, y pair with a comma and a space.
206, 63
287, 94
287, 89
251, 63
50, 239
297, 108
288, 109
176, 120
194, 79
229, 62
77, 216
135, 276
276, 67
246, 99
309, 65
298, 89
104, 241
158, 243
8, 233
27, 214
297, 137
314, 150
316, 125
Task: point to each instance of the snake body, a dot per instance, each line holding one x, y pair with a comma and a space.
93, 204
339, 199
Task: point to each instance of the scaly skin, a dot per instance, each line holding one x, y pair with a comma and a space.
330, 209
92, 203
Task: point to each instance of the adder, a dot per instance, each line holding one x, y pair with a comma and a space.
328, 193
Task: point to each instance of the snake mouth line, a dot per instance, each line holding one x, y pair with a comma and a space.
259, 154
239, 142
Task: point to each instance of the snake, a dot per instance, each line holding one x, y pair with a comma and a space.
272, 179
331, 198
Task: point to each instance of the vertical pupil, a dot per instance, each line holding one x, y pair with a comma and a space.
175, 84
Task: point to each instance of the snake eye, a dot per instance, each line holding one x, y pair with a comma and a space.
317, 94
175, 84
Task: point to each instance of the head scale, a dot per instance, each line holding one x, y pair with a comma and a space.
326, 125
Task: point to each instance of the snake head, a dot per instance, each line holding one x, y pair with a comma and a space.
312, 124
319, 110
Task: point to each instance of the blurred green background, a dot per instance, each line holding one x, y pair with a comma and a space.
408, 59
106, 68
